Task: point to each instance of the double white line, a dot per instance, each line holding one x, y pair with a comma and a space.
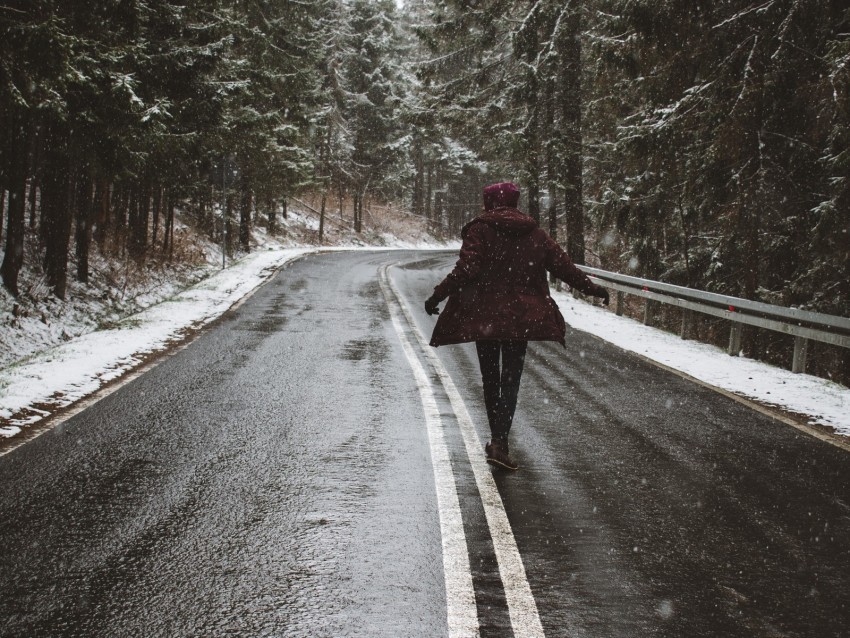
460, 595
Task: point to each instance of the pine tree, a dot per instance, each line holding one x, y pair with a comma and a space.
34, 53
274, 72
372, 77
333, 135
470, 81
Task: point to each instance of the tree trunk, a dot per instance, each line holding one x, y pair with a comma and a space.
245, 217
33, 200
2, 208
121, 207
358, 212
569, 48
686, 243
284, 210
166, 238
157, 211
56, 213
439, 211
752, 188
322, 216
172, 204
436, 222
83, 204
534, 188
271, 206
428, 191
101, 227
168, 228
532, 153
204, 211
418, 182
15, 216
35, 181
140, 216
228, 223
341, 200
551, 157
528, 47
132, 215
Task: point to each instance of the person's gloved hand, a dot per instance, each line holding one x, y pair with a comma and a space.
602, 293
431, 306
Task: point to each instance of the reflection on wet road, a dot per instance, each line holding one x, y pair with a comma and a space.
275, 478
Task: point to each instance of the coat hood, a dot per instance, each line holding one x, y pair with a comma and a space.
509, 221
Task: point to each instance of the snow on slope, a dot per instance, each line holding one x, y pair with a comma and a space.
68, 372
825, 402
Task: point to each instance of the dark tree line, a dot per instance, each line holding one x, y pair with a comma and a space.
701, 143
505, 78
706, 142
726, 159
698, 142
114, 112
719, 148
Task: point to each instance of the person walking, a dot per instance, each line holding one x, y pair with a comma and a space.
498, 297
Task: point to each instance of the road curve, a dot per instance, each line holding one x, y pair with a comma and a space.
275, 478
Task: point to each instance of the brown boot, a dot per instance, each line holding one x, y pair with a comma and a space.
498, 456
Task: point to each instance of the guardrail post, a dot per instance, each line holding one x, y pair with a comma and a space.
735, 339
621, 302
648, 312
687, 324
801, 350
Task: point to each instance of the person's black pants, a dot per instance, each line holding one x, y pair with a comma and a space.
501, 383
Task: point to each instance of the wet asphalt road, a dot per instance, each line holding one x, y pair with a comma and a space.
274, 479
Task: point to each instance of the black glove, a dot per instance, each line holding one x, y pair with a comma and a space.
431, 306
603, 294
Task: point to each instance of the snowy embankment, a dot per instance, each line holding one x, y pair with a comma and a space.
66, 373
823, 402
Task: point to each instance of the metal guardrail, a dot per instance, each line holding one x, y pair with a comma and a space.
801, 324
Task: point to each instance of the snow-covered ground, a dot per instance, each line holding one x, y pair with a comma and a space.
824, 402
66, 373
34, 387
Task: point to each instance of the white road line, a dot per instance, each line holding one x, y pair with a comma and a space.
525, 619
460, 594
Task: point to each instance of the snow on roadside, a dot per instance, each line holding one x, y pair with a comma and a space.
825, 402
68, 372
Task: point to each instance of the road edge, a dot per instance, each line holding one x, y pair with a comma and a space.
148, 360
768, 411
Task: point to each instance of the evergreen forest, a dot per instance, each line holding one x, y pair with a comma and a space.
704, 143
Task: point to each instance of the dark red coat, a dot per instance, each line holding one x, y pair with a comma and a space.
499, 288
